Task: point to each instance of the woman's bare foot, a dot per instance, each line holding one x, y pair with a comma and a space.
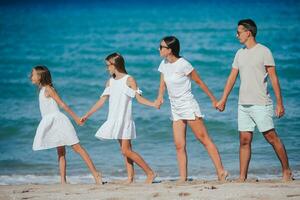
222, 177
150, 177
287, 175
98, 178
63, 181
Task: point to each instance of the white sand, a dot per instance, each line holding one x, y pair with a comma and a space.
252, 190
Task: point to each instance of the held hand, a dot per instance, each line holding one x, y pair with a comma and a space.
156, 104
160, 100
83, 119
78, 121
221, 105
214, 104
279, 110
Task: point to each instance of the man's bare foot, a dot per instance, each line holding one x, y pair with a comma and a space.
98, 178
287, 175
150, 177
222, 177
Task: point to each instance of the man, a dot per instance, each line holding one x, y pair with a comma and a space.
255, 63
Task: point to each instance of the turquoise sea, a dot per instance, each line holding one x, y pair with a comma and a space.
73, 38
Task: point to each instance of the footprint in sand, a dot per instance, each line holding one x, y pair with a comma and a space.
23, 198
27, 190
112, 198
293, 195
155, 194
211, 187
183, 194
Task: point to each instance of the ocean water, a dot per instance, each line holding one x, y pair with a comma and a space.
72, 39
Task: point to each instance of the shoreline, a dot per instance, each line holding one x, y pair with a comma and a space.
87, 178
117, 190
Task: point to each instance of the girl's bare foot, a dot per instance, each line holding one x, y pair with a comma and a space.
222, 177
129, 180
241, 180
181, 180
287, 175
150, 177
63, 182
98, 178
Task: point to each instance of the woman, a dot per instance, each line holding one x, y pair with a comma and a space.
176, 75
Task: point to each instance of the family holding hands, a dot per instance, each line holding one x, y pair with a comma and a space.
254, 63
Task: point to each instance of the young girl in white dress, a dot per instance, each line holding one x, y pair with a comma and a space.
176, 75
55, 129
120, 89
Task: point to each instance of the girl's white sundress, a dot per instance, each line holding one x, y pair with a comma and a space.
55, 129
119, 124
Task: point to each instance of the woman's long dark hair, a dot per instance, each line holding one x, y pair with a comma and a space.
173, 43
118, 61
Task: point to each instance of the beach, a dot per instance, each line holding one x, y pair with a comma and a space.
231, 190
72, 38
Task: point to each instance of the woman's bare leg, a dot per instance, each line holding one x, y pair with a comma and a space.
179, 134
201, 134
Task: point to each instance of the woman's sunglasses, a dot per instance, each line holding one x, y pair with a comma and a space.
160, 47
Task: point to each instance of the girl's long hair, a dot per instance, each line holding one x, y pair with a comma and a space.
45, 75
118, 61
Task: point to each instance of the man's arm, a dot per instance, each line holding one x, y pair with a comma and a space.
276, 87
228, 87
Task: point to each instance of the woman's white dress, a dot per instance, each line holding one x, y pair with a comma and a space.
119, 123
55, 129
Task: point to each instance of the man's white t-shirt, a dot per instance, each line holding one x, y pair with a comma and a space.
253, 75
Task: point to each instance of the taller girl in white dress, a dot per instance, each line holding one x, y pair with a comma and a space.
176, 75
120, 89
55, 129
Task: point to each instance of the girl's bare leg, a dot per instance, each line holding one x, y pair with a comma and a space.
85, 156
129, 167
135, 157
61, 152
